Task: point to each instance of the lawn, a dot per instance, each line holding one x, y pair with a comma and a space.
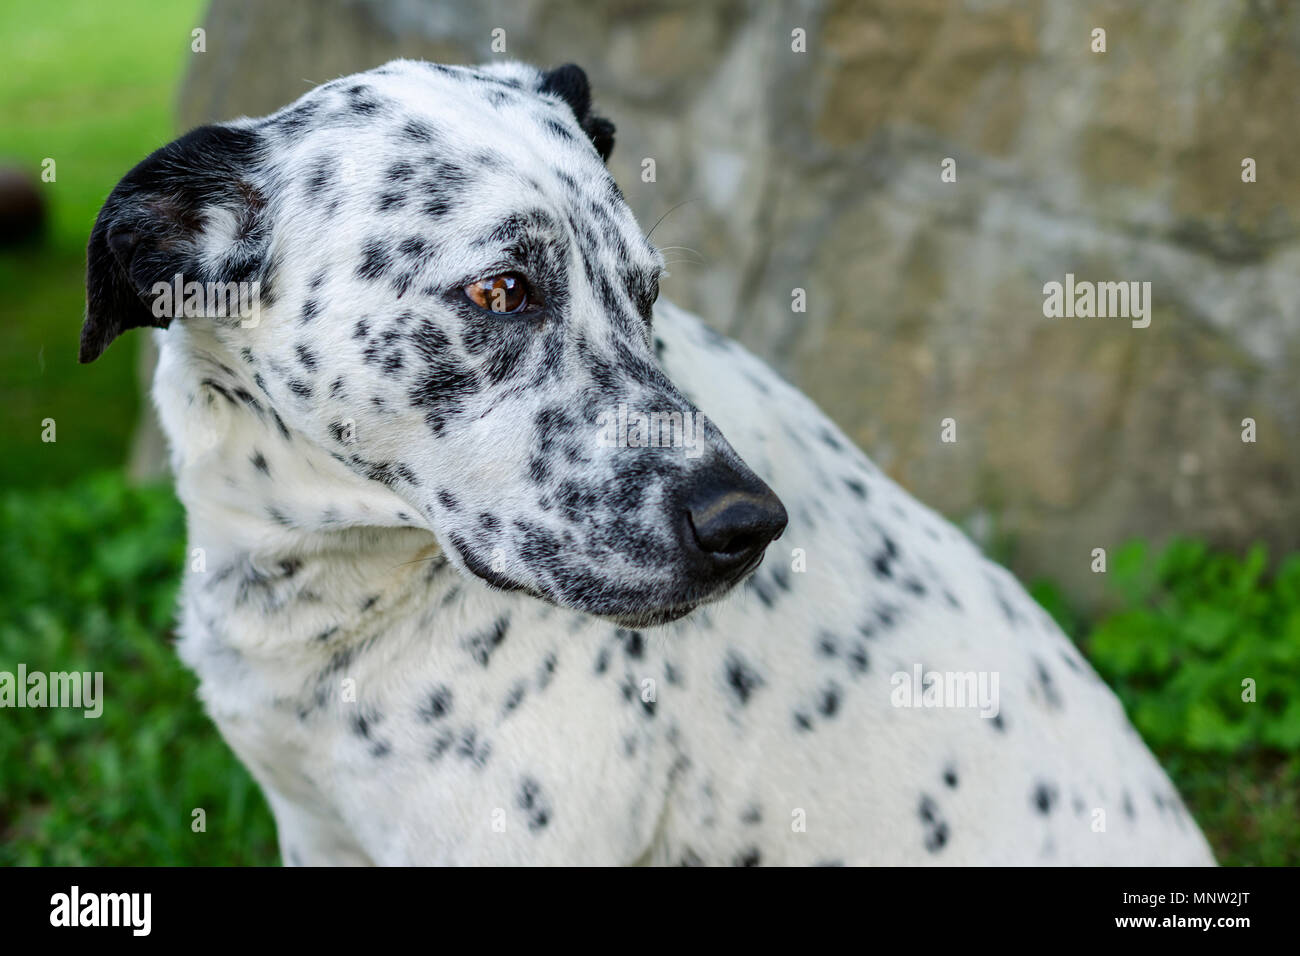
89, 576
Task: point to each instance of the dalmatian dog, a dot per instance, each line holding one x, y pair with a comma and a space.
474, 575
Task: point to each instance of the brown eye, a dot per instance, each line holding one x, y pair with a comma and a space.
504, 293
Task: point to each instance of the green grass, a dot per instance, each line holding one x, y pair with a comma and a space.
1204, 651
90, 85
88, 578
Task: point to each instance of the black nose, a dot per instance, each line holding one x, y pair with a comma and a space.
731, 517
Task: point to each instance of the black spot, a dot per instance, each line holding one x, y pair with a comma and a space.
828, 703
440, 746
950, 777
376, 260
547, 673
363, 723
1051, 695
470, 749
482, 645
531, 800
259, 462
882, 562
633, 642
417, 131
515, 697
1044, 797
362, 101
320, 174
340, 432
390, 200
936, 835
781, 577
438, 704
399, 172
749, 857
559, 129
741, 678
755, 584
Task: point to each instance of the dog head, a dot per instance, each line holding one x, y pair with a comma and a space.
428, 273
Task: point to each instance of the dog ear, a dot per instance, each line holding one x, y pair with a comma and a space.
187, 209
569, 83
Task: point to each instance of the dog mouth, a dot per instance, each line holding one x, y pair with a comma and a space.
652, 618
657, 616
688, 599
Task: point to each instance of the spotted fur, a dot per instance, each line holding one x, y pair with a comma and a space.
442, 623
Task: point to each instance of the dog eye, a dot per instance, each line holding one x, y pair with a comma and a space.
505, 293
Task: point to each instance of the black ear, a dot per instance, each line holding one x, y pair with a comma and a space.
188, 209
569, 83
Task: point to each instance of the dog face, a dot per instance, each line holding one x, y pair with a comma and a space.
453, 299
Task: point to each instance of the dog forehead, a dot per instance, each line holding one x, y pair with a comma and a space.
485, 138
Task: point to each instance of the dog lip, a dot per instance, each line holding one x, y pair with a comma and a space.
753, 566
653, 618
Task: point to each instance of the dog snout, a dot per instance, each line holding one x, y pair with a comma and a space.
730, 517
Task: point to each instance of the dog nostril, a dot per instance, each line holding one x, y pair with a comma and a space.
736, 522
744, 541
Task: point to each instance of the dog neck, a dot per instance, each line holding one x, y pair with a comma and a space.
275, 523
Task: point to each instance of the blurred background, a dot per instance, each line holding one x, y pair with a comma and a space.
774, 170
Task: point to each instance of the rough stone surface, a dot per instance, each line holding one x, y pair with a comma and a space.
777, 170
